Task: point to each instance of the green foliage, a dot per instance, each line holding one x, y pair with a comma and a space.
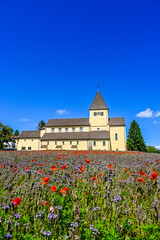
135, 140
6, 134
41, 124
151, 149
16, 133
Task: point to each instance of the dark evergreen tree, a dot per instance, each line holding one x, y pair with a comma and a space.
41, 124
135, 140
16, 133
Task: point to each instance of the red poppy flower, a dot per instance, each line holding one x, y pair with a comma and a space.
87, 161
45, 202
54, 168
40, 171
82, 168
53, 188
100, 174
16, 201
143, 174
154, 175
156, 161
110, 166
121, 179
64, 190
1, 165
146, 164
39, 165
80, 171
32, 160
27, 168
95, 178
58, 157
15, 170
46, 179
140, 179
64, 167
126, 169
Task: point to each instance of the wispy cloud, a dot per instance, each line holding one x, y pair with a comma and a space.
148, 113
25, 120
61, 112
156, 122
157, 114
158, 147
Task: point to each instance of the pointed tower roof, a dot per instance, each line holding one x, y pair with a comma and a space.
98, 103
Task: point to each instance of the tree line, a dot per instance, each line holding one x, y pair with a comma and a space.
6, 134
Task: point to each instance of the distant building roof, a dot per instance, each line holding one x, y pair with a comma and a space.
68, 122
98, 103
116, 121
29, 134
76, 135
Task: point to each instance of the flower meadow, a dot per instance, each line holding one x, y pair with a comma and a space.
79, 195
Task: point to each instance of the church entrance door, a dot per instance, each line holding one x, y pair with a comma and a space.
90, 146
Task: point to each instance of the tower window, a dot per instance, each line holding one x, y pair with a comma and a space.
60, 129
94, 143
116, 136
81, 129
29, 148
63, 142
104, 143
52, 129
97, 129
73, 129
66, 129
55, 143
98, 113
77, 142
70, 142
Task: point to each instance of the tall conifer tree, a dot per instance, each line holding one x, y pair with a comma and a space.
135, 140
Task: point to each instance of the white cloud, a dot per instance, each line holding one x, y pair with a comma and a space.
148, 113
25, 120
156, 122
60, 111
158, 147
157, 114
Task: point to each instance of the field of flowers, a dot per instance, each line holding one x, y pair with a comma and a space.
79, 195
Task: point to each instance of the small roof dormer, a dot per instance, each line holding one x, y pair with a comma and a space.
98, 103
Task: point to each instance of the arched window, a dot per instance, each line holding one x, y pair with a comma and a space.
116, 136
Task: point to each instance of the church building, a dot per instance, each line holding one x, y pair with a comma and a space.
98, 132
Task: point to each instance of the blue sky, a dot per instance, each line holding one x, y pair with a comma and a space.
54, 53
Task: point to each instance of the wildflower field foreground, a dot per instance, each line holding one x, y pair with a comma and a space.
79, 195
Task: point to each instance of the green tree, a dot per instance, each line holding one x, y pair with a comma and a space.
6, 134
151, 149
41, 124
135, 140
16, 133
